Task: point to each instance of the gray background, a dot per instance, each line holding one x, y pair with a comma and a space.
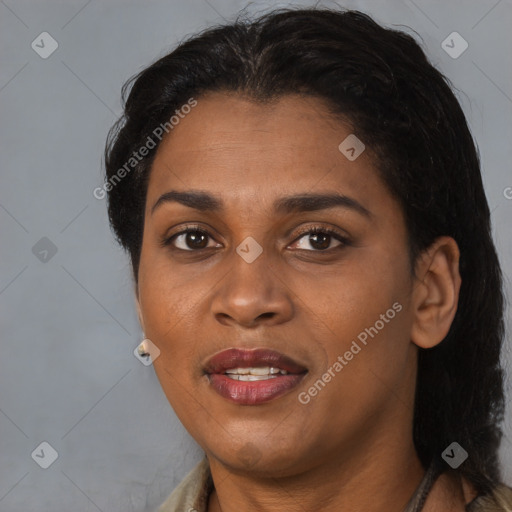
68, 375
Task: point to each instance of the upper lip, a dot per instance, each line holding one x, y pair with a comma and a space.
244, 358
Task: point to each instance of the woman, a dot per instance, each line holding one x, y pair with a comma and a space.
310, 240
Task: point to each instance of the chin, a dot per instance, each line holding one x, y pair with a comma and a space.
264, 461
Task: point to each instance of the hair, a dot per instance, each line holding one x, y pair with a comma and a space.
380, 82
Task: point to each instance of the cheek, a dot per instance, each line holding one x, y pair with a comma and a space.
354, 295
172, 323
170, 316
362, 317
361, 382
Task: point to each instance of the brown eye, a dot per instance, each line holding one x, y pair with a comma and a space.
320, 239
191, 239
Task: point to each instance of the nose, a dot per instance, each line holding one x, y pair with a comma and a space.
251, 294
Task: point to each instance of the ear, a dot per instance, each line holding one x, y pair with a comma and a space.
436, 292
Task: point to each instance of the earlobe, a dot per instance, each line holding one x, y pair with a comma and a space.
436, 292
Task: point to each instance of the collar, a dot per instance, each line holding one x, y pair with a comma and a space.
193, 492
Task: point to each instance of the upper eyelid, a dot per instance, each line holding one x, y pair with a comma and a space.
305, 231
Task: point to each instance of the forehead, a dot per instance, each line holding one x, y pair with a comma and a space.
230, 145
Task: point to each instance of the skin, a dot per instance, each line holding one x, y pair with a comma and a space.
353, 440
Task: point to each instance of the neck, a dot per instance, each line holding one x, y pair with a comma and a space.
388, 470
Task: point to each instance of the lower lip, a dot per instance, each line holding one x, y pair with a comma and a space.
253, 392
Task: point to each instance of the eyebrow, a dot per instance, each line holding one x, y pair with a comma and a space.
203, 201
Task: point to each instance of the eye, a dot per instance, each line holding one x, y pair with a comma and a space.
190, 239
316, 239
320, 239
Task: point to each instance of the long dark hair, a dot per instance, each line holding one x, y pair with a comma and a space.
380, 81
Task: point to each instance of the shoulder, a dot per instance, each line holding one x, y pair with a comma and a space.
452, 492
499, 500
191, 495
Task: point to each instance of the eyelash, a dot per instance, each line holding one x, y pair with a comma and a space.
168, 241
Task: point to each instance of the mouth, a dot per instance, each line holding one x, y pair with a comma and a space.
251, 377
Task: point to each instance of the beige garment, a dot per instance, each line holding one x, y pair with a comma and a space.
193, 492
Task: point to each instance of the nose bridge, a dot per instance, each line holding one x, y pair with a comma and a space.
251, 288
251, 278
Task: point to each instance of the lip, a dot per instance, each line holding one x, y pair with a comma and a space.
253, 392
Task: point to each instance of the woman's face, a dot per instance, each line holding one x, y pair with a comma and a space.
255, 277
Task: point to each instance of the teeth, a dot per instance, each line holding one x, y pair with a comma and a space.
239, 371
255, 372
248, 378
